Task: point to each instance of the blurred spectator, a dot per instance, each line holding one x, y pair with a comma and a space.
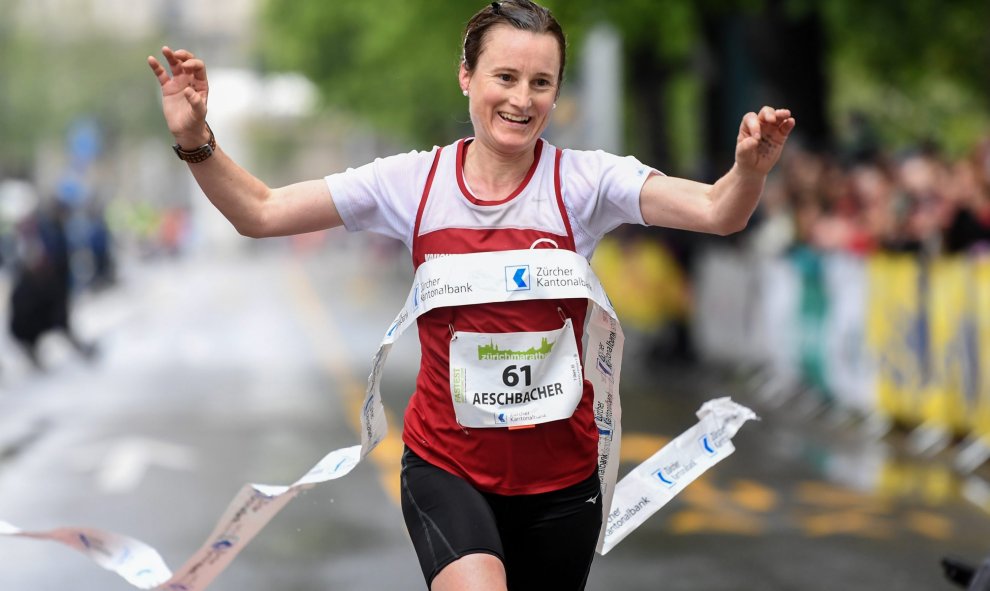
862, 143
18, 199
42, 285
864, 201
776, 230
967, 217
172, 231
100, 244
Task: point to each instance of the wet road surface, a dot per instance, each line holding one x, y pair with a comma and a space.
219, 371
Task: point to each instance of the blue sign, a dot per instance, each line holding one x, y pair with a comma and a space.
707, 444
517, 278
663, 479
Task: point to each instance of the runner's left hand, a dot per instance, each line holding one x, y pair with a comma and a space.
761, 139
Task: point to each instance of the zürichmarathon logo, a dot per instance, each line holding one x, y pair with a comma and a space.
491, 352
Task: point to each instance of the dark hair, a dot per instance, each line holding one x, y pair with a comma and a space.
521, 14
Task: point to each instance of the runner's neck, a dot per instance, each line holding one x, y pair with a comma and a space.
491, 175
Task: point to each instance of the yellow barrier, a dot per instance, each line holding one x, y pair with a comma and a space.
981, 312
927, 337
644, 282
895, 334
945, 396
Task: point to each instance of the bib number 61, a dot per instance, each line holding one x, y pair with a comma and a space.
511, 375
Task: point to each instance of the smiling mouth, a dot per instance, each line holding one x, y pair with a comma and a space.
514, 118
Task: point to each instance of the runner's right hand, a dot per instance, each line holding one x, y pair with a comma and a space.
184, 96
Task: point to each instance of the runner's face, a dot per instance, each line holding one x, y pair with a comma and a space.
512, 88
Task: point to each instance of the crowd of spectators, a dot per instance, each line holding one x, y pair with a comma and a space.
865, 201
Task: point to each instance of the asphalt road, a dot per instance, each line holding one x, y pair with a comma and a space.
224, 370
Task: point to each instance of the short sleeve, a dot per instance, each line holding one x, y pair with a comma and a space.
601, 190
383, 196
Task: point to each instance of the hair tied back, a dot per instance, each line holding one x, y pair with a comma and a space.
497, 8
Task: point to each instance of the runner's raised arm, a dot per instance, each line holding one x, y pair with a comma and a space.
254, 209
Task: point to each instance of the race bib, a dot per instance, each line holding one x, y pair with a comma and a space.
515, 378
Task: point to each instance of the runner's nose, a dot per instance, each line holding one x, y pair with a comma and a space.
521, 99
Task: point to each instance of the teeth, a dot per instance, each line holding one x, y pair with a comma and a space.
514, 118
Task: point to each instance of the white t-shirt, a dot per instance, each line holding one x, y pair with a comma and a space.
600, 191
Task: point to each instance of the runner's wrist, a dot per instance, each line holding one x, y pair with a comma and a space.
200, 151
190, 140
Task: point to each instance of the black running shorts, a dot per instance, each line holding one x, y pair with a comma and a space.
546, 540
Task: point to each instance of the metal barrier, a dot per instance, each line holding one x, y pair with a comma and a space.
889, 334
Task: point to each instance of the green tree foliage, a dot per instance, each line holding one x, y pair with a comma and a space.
46, 83
917, 67
393, 62
904, 43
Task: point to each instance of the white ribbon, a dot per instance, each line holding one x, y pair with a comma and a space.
138, 563
652, 484
250, 510
449, 281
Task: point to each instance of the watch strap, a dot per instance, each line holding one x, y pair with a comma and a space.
197, 154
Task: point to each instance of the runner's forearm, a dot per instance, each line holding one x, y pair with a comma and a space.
236, 193
734, 199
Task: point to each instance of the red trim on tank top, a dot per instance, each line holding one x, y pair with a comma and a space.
462, 149
422, 202
560, 200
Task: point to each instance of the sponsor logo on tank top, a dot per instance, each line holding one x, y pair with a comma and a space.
517, 278
492, 351
436, 255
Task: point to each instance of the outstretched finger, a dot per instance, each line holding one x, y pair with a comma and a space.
170, 58
160, 72
178, 60
196, 102
196, 67
183, 55
751, 125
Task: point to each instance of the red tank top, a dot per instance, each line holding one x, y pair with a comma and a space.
450, 220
